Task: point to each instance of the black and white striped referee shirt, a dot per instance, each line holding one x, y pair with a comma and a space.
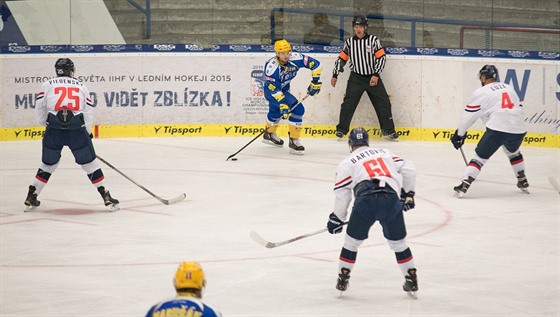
366, 56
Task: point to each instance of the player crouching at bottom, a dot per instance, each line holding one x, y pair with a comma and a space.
373, 177
189, 283
279, 72
64, 106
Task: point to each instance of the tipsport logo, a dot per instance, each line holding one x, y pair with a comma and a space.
377, 131
239, 130
447, 134
29, 134
175, 130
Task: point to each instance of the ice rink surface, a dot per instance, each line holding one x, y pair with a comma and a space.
495, 252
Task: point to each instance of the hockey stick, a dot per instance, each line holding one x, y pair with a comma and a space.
464, 157
259, 135
554, 183
164, 201
267, 244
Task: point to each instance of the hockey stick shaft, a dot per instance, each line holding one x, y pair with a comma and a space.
246, 145
164, 201
258, 135
267, 244
464, 157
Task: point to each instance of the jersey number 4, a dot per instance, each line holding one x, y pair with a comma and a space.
73, 95
377, 167
506, 101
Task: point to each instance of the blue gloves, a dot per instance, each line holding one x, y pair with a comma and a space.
284, 110
458, 140
335, 224
314, 87
407, 200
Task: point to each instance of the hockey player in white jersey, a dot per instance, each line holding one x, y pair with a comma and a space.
383, 186
498, 106
278, 74
64, 106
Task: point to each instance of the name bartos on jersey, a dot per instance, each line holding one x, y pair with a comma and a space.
367, 154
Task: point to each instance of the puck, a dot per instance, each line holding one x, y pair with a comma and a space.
234, 159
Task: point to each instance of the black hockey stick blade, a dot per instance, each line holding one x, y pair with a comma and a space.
246, 145
164, 201
269, 245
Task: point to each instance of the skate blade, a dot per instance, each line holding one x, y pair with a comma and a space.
271, 143
29, 208
388, 138
459, 194
412, 295
296, 152
524, 190
113, 208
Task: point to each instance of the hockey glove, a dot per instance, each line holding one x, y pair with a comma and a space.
314, 88
458, 140
284, 110
335, 224
407, 200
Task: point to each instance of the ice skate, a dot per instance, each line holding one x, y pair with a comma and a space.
411, 283
272, 139
31, 201
296, 147
339, 135
522, 182
109, 201
390, 136
343, 278
461, 189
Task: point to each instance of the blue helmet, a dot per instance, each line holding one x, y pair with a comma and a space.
488, 71
358, 137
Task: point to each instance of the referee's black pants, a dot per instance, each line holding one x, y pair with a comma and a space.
355, 88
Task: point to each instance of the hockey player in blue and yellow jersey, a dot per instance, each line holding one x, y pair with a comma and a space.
278, 73
189, 283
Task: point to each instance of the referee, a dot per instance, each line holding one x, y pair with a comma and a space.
367, 60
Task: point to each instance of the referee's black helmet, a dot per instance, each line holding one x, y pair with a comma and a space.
360, 20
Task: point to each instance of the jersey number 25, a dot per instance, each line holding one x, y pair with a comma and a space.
72, 93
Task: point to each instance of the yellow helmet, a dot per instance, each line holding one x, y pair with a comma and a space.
189, 275
282, 46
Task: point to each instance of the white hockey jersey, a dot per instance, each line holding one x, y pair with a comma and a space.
499, 107
64, 93
367, 163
